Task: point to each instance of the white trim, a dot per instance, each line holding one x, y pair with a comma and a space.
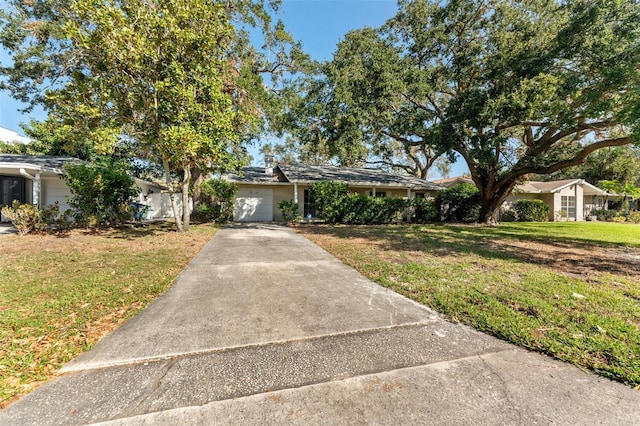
31, 167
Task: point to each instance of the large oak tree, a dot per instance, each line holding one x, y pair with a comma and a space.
514, 87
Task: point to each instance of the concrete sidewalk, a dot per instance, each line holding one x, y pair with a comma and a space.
264, 327
7, 229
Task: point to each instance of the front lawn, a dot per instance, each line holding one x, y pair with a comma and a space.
571, 290
59, 294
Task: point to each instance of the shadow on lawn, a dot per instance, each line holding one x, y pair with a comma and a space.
561, 254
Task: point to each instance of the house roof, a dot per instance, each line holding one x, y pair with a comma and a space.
7, 135
535, 187
311, 174
447, 182
49, 163
255, 175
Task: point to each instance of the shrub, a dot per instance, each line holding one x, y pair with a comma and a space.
101, 192
634, 217
328, 199
508, 215
215, 203
423, 210
619, 219
290, 210
335, 204
605, 215
364, 210
29, 218
459, 203
531, 210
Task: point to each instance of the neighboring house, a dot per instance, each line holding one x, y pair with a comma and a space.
38, 180
572, 199
260, 189
10, 136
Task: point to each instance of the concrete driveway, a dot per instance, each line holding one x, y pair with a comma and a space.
264, 327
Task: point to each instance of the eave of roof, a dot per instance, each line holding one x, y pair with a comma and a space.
534, 187
44, 163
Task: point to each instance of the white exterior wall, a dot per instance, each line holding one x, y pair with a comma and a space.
54, 189
160, 205
287, 192
572, 191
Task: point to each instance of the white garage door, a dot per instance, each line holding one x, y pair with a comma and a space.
255, 205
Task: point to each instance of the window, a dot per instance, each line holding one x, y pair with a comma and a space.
420, 195
568, 206
307, 204
11, 188
379, 194
599, 202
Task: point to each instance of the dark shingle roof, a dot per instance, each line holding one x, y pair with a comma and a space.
46, 162
255, 175
311, 174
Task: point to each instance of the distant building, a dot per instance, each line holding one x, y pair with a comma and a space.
7, 135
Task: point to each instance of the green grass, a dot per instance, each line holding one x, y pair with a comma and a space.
59, 294
597, 233
570, 290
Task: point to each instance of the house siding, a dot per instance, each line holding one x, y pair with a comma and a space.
571, 191
54, 189
285, 192
554, 201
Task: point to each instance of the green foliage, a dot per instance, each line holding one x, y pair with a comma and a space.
216, 201
424, 210
177, 82
336, 205
328, 198
618, 218
605, 215
29, 218
634, 217
531, 210
290, 210
513, 87
508, 215
364, 210
101, 192
620, 164
459, 203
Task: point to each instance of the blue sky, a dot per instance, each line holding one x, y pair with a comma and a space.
318, 24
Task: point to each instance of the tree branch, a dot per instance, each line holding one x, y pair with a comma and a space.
576, 160
405, 141
390, 163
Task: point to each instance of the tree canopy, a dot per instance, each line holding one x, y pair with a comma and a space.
514, 87
172, 82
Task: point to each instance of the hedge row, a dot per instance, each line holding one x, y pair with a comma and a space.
335, 204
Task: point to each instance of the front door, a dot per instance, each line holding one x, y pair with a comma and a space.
11, 188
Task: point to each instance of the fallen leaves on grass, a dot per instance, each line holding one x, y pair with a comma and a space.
60, 294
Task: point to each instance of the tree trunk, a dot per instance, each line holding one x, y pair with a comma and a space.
491, 199
186, 210
172, 195
489, 211
198, 177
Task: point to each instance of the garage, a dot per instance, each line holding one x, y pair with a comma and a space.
253, 205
